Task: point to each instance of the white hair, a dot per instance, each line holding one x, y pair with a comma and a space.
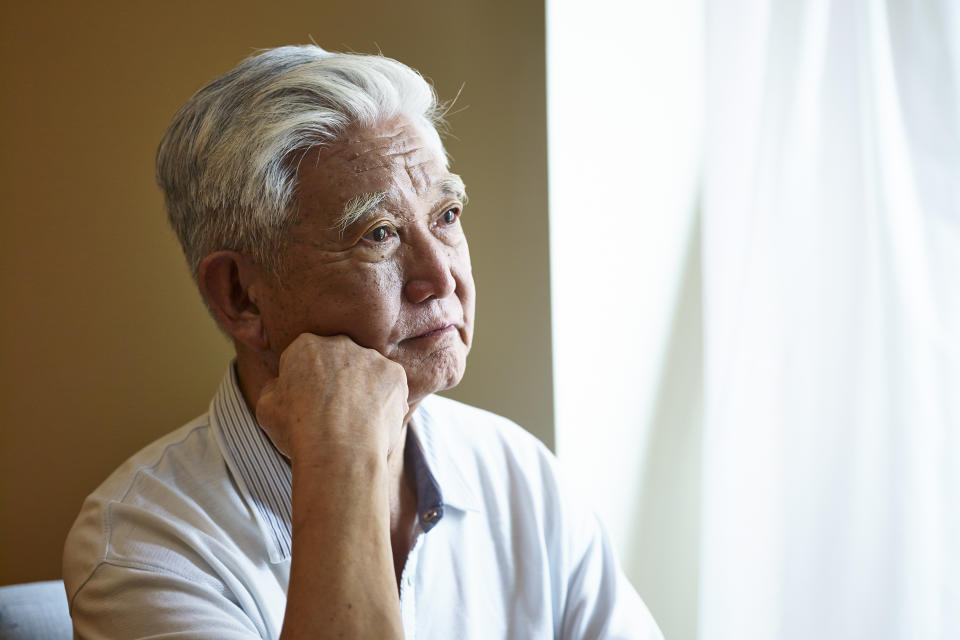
228, 162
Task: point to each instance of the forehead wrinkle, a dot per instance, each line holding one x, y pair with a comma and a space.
411, 157
394, 144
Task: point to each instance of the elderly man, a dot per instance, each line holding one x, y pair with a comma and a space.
328, 493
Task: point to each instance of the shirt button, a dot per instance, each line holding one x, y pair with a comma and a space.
431, 515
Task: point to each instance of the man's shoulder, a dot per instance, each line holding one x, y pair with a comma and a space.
167, 486
190, 448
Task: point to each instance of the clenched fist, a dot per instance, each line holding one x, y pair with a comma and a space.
333, 397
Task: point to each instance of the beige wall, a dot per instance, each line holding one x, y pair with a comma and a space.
105, 345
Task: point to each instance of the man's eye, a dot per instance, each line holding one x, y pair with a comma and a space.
380, 234
450, 215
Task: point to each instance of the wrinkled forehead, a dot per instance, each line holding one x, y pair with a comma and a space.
392, 156
398, 141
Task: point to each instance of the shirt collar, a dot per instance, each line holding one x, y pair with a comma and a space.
264, 479
262, 474
443, 459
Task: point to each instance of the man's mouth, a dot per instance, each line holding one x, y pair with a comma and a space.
436, 331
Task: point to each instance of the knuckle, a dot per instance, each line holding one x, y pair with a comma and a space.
310, 343
299, 347
340, 341
302, 341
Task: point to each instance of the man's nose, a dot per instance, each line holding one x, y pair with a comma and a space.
429, 270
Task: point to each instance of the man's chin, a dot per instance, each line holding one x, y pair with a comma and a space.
444, 374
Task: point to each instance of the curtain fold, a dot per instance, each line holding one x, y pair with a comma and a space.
831, 257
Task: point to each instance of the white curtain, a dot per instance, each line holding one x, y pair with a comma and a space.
625, 107
763, 398
831, 276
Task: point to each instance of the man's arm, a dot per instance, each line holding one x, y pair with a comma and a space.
337, 410
601, 602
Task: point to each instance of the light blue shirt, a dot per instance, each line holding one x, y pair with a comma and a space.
190, 538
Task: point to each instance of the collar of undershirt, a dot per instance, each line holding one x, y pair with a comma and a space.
263, 475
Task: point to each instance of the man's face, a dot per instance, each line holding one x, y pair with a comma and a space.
396, 279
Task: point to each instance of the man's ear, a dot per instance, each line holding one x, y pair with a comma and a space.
229, 282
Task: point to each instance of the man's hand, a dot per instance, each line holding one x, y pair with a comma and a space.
333, 397
337, 410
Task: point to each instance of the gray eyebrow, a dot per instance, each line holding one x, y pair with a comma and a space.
361, 205
453, 186
358, 207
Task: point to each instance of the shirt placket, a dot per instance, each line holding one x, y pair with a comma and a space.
408, 591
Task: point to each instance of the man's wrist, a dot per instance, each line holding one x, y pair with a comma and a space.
341, 458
